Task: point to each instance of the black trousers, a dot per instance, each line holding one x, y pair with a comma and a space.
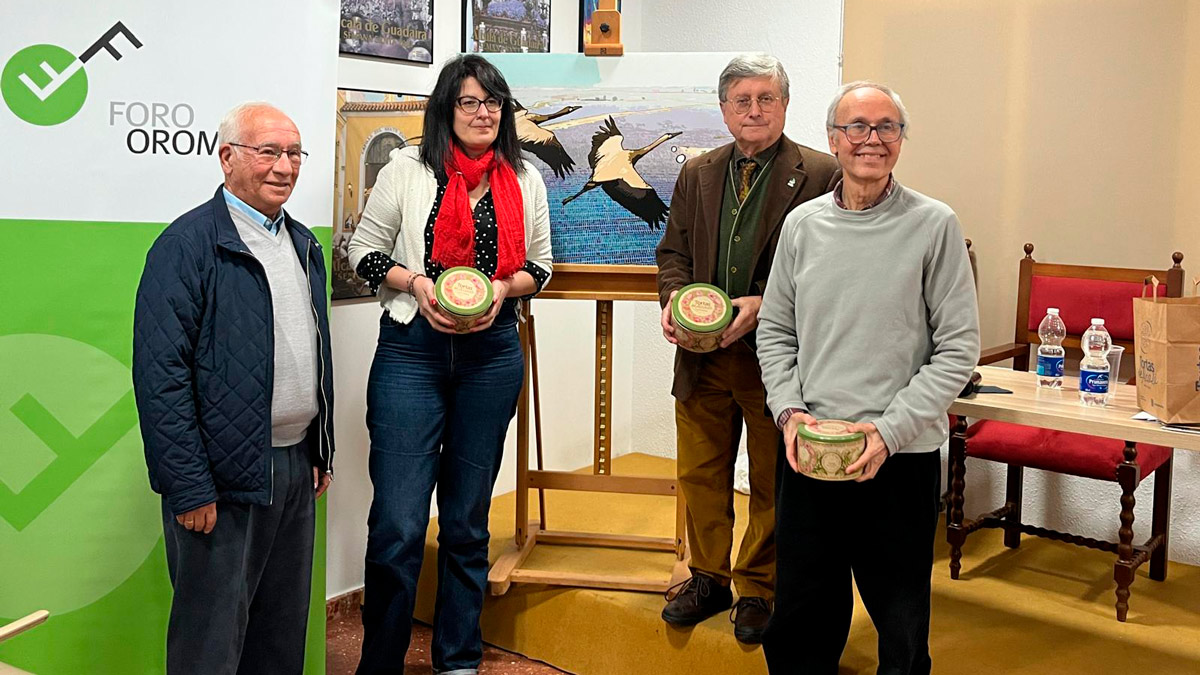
880, 533
242, 591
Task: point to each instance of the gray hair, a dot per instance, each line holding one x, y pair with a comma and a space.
831, 117
233, 124
752, 65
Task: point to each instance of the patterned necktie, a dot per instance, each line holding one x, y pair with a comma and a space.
746, 168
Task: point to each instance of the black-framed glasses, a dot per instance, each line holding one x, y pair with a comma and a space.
470, 104
766, 103
269, 154
859, 132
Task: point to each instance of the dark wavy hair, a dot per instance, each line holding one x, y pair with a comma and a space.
439, 113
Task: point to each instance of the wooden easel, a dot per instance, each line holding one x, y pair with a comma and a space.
604, 284
606, 31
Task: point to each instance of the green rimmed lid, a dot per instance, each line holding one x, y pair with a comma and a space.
464, 291
830, 431
702, 308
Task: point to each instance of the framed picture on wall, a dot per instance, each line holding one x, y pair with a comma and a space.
371, 126
586, 8
518, 26
390, 29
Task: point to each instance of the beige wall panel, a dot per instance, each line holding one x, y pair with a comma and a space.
1052, 121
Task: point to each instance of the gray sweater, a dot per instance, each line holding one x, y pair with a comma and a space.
294, 391
870, 316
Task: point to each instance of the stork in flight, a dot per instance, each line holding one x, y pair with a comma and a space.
613, 170
542, 143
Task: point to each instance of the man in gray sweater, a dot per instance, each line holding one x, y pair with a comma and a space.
869, 316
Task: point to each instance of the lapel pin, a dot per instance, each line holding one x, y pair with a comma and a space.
791, 182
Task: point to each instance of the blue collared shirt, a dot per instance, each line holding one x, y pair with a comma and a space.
235, 203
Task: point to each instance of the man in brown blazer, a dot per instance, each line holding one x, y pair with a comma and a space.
726, 214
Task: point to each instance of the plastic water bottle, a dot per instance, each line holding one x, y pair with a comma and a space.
1050, 354
1093, 369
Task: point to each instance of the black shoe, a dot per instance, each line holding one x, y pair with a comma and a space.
750, 617
695, 600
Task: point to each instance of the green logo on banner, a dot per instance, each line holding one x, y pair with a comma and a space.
46, 84
57, 93
70, 452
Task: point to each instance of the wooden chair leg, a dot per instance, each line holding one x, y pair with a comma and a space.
1162, 520
944, 502
1012, 530
955, 534
1123, 572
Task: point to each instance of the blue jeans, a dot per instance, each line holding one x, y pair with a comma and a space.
438, 409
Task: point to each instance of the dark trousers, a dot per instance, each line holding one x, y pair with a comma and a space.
438, 409
708, 426
880, 532
242, 591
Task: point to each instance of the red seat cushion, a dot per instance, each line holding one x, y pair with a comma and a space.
1082, 299
1059, 451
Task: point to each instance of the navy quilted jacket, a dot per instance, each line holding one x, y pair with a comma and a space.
203, 361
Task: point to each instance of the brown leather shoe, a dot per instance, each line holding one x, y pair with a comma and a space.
696, 599
750, 616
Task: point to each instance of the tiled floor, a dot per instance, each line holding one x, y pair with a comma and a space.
343, 641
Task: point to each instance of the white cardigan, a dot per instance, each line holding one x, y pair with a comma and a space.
397, 212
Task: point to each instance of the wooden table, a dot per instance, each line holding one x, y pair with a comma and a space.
1060, 410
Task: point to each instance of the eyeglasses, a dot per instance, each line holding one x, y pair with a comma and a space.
859, 132
470, 104
741, 104
269, 154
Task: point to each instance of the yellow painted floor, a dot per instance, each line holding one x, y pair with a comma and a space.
1045, 608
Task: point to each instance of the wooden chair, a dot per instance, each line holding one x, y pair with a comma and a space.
16, 627
974, 265
1081, 292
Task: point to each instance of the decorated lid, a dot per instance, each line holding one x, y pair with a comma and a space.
702, 308
464, 291
830, 431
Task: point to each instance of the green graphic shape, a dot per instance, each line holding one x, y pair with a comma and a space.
74, 455
68, 400
44, 85
91, 303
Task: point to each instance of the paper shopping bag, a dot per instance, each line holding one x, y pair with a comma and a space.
1167, 347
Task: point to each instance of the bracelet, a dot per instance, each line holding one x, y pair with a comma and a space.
787, 415
412, 279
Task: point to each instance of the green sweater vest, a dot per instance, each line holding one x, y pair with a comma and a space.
735, 257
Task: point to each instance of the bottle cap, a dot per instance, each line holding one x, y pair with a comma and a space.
1052, 310
1097, 322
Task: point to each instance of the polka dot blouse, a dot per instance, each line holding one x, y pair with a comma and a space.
375, 265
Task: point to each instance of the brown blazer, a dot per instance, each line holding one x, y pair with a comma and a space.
689, 247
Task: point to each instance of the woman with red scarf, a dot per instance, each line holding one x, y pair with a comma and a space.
439, 402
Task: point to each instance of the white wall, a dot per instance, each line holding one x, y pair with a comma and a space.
565, 332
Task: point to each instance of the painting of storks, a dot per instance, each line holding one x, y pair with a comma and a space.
614, 170
542, 143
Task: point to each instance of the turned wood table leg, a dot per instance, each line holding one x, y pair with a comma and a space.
955, 534
1123, 572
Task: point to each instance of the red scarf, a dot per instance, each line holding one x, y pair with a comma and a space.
454, 229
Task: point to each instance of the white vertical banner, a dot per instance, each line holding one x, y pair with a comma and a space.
109, 114
111, 108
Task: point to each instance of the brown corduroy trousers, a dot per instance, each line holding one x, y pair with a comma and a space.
708, 431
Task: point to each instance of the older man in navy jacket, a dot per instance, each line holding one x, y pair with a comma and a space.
232, 372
